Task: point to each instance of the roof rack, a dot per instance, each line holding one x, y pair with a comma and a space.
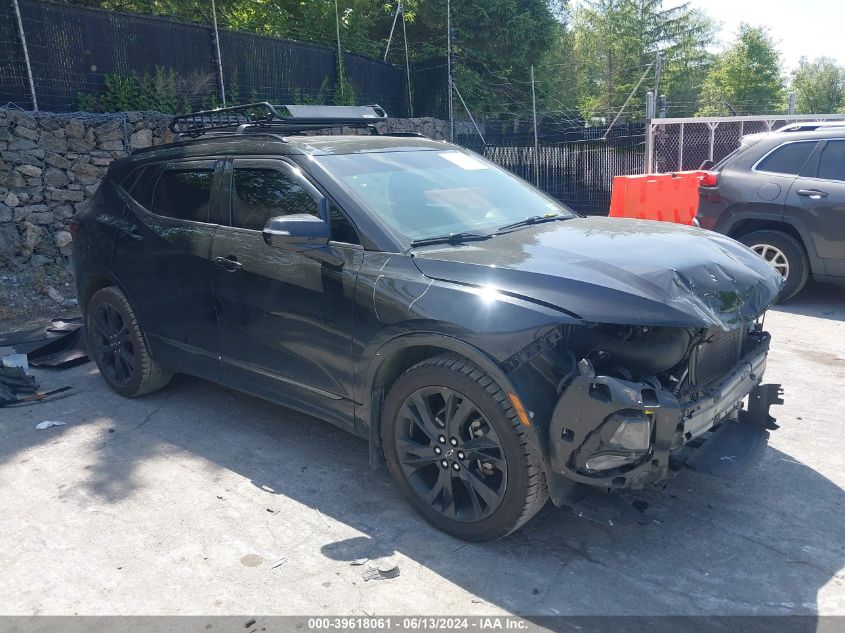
282, 118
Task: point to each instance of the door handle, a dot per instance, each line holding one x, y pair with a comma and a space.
229, 264
813, 194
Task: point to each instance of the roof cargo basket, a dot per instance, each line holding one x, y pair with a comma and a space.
281, 118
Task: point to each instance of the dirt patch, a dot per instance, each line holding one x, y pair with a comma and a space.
24, 298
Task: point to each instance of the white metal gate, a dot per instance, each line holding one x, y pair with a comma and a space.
685, 143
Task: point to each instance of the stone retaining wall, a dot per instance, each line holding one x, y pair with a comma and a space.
51, 164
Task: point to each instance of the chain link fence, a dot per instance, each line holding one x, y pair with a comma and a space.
686, 143
576, 167
84, 58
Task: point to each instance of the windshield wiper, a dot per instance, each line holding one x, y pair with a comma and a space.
534, 219
451, 238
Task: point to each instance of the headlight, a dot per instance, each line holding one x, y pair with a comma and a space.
634, 432
630, 441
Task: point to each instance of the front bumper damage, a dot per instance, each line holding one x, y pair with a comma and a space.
711, 432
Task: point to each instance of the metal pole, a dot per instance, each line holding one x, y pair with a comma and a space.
390, 37
219, 57
657, 63
449, 67
407, 64
339, 53
681, 148
536, 142
649, 146
26, 55
712, 127
458, 92
649, 105
792, 103
625, 105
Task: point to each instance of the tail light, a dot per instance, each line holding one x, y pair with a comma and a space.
710, 179
74, 226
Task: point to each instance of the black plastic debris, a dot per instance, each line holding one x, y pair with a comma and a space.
15, 380
60, 345
61, 352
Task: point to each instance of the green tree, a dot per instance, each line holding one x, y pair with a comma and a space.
495, 44
616, 40
746, 78
818, 86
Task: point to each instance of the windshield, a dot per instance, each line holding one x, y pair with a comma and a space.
424, 194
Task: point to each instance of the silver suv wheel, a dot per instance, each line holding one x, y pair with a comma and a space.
774, 256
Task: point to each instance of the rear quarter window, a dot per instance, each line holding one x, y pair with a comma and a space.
832, 161
139, 185
788, 159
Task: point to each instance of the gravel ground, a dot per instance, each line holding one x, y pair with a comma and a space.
200, 500
24, 297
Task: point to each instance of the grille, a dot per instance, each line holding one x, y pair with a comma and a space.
716, 356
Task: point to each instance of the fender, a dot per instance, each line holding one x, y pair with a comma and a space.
98, 271
728, 226
367, 414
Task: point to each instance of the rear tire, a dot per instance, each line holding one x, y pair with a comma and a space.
786, 254
117, 345
456, 448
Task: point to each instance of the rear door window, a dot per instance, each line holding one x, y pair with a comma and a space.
832, 161
184, 193
787, 159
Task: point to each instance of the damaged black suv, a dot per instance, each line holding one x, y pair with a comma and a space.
494, 348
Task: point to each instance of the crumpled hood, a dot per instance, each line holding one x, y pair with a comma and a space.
610, 270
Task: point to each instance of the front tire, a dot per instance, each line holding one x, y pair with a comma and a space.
785, 254
458, 452
117, 345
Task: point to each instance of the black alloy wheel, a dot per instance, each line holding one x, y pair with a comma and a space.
458, 451
115, 353
450, 454
117, 344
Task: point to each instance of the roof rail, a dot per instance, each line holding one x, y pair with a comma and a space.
286, 118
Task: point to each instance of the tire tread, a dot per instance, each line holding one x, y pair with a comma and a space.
765, 236
537, 489
153, 375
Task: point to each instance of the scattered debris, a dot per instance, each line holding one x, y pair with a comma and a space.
359, 561
61, 344
385, 570
278, 563
36, 397
62, 351
15, 360
323, 518
54, 294
46, 424
249, 623
17, 377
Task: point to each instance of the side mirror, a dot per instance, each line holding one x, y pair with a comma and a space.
299, 231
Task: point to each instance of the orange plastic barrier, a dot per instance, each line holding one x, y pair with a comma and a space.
666, 197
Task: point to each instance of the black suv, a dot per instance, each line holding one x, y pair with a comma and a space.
492, 346
783, 195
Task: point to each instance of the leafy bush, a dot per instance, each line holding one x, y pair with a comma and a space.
163, 90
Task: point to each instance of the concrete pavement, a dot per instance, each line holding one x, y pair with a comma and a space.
200, 500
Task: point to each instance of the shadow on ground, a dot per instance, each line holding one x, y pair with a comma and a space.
825, 301
764, 544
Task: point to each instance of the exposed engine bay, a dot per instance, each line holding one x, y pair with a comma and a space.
636, 403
